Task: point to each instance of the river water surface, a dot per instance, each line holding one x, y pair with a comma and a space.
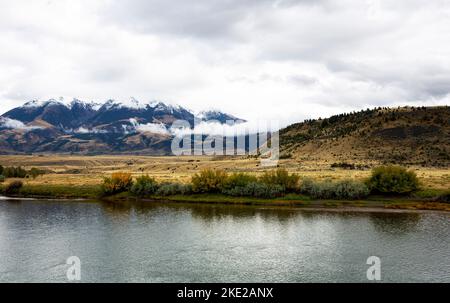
164, 242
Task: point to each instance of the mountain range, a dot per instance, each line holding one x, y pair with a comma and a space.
95, 128
403, 135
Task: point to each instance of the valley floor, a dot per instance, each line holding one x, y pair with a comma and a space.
89, 170
80, 177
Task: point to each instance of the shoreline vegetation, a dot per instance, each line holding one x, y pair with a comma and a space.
388, 187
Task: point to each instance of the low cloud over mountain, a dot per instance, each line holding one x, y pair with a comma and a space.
92, 127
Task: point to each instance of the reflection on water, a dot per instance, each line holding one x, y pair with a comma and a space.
169, 242
395, 223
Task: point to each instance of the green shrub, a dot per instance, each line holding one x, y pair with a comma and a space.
2, 178
14, 172
144, 186
349, 189
19, 172
256, 189
271, 184
307, 185
119, 182
170, 189
13, 187
238, 180
429, 193
245, 185
35, 172
262, 190
282, 178
209, 181
322, 190
393, 179
345, 189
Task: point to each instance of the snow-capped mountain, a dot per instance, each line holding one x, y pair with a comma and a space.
77, 113
217, 116
58, 125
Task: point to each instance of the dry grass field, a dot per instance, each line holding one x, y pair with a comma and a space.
89, 170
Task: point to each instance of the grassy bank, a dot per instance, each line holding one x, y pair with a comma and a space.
56, 191
301, 201
421, 200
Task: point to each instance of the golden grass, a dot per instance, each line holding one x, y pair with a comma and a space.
89, 170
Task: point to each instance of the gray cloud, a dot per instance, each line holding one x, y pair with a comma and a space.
254, 58
15, 124
208, 19
303, 79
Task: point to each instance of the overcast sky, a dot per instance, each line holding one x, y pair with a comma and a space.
282, 59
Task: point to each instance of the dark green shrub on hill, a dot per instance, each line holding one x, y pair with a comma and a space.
285, 156
2, 178
393, 180
35, 172
343, 165
14, 172
19, 172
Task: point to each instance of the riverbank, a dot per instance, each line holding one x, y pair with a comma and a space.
299, 201
423, 200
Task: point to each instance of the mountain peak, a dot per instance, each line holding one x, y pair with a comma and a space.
39, 103
218, 115
60, 101
84, 104
134, 103
77, 113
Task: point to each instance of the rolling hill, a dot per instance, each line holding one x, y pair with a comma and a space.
405, 135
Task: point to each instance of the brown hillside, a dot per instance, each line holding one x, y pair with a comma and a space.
406, 135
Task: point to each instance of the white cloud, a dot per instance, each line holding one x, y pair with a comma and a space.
215, 128
83, 130
210, 127
156, 128
15, 124
256, 59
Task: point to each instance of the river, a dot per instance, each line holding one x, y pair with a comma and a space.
169, 242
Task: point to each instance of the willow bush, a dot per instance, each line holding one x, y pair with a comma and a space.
144, 186
117, 183
281, 177
209, 181
170, 189
341, 190
393, 180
